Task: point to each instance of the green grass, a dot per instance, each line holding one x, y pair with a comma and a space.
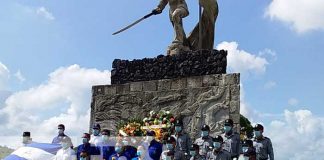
5, 151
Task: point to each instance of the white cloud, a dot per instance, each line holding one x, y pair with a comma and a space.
242, 61
63, 98
293, 101
299, 136
301, 15
270, 85
4, 76
19, 76
42, 11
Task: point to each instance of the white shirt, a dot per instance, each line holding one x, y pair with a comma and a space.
65, 154
96, 141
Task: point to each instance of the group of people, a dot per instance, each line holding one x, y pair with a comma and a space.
177, 146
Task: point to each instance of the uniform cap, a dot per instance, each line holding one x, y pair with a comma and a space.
205, 128
96, 126
258, 127
26, 134
229, 122
218, 139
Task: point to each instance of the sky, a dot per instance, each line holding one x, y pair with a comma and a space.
52, 52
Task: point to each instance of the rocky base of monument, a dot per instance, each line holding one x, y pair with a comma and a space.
186, 64
208, 99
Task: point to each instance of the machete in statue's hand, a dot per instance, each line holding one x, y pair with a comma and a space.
133, 24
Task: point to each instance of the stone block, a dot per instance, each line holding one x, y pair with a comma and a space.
150, 86
164, 85
234, 106
123, 88
194, 82
235, 118
231, 79
209, 80
180, 83
136, 86
110, 90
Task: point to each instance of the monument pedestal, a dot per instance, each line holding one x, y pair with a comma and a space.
201, 99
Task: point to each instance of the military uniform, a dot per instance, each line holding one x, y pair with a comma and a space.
221, 155
232, 144
263, 147
204, 143
198, 157
183, 143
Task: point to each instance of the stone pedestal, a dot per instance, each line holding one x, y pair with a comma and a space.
204, 99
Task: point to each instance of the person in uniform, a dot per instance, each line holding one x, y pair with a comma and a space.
87, 148
248, 150
26, 138
183, 141
262, 144
194, 153
170, 153
205, 141
231, 139
218, 153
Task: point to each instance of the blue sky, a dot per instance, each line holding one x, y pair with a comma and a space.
42, 41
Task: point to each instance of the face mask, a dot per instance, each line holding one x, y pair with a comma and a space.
133, 140
204, 133
118, 149
82, 158
192, 153
167, 157
216, 145
169, 146
257, 133
139, 153
125, 143
25, 140
177, 128
227, 128
65, 145
246, 158
85, 140
149, 138
245, 149
105, 138
60, 131
95, 132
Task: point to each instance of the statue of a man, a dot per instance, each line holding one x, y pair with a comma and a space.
178, 10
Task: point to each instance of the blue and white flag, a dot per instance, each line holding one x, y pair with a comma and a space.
35, 151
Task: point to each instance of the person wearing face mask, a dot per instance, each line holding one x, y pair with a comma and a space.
262, 144
218, 153
231, 139
66, 152
194, 153
96, 139
205, 141
183, 141
130, 150
120, 153
86, 147
170, 153
26, 138
61, 135
154, 148
248, 150
107, 145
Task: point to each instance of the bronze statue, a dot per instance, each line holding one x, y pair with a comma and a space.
201, 37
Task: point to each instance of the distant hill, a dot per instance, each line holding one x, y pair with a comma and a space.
5, 151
